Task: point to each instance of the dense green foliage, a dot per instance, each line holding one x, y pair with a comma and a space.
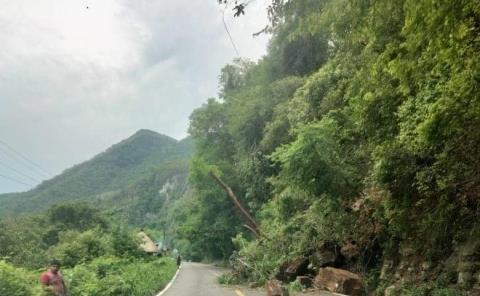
105, 276
108, 276
74, 233
17, 281
97, 257
360, 124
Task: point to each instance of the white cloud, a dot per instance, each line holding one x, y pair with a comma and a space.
74, 80
66, 30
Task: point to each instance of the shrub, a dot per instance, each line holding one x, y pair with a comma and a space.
75, 248
112, 276
17, 281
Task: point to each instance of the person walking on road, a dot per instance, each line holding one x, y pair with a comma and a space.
52, 280
179, 261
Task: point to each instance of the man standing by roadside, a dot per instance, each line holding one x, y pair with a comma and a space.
52, 280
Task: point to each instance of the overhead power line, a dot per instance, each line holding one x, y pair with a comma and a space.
228, 31
26, 159
15, 158
15, 180
19, 172
245, 4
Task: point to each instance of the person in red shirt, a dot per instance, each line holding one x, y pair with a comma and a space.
52, 280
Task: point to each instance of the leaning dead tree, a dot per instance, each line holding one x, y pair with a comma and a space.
250, 223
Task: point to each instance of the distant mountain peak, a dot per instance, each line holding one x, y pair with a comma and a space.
146, 132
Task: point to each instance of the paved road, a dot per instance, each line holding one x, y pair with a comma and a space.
196, 279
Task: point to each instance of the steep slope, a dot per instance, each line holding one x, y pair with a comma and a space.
145, 156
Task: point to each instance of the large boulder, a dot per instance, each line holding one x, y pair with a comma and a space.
339, 281
289, 270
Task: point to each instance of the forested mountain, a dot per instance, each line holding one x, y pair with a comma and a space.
357, 134
125, 176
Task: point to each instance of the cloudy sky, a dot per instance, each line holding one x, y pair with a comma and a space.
77, 76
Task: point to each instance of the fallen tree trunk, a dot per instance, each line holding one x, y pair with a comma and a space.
251, 224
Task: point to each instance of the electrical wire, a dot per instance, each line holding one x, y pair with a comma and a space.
228, 31
25, 159
15, 158
245, 4
19, 172
15, 180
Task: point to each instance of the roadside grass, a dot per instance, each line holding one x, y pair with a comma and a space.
108, 276
104, 276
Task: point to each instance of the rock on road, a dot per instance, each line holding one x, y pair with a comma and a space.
201, 280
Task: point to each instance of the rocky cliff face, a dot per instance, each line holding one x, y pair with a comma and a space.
459, 269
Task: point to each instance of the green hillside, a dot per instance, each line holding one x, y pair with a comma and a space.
125, 173
354, 143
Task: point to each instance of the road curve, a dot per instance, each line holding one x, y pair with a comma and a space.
201, 280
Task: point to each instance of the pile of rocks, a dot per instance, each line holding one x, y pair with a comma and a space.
317, 271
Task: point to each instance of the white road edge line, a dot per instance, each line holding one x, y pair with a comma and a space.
169, 284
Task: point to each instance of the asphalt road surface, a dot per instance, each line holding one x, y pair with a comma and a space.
196, 279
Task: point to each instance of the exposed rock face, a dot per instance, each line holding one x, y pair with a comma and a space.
461, 267
338, 280
275, 288
291, 269
407, 267
469, 264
